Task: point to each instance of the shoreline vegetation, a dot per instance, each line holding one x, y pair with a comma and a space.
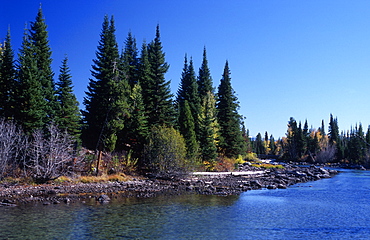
209, 183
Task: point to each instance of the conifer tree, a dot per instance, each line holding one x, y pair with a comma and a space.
106, 100
156, 90
292, 139
333, 130
188, 91
31, 103
322, 129
42, 54
187, 129
135, 132
7, 80
260, 147
68, 114
208, 128
231, 140
205, 83
130, 61
272, 145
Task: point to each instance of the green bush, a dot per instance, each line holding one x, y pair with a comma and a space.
165, 152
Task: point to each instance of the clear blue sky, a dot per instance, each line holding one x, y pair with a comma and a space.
304, 59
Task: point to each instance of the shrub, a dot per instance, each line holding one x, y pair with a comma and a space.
165, 152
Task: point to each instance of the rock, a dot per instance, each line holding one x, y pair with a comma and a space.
271, 187
51, 192
281, 186
103, 198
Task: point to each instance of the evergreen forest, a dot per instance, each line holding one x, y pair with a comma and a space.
131, 122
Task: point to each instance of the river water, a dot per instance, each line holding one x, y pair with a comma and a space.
335, 208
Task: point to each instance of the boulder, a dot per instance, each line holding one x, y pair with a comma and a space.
103, 198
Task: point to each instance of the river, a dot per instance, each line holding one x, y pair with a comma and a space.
335, 208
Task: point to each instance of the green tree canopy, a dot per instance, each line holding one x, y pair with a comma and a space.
106, 99
231, 140
68, 114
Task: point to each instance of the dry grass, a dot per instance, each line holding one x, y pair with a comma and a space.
267, 166
119, 177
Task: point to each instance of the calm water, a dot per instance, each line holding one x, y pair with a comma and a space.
336, 208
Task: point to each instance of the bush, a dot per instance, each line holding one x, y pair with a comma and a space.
165, 152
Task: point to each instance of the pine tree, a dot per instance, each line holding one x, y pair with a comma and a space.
42, 55
292, 136
188, 91
7, 80
31, 103
130, 61
68, 114
231, 140
187, 129
333, 130
272, 145
156, 90
260, 147
208, 128
133, 137
322, 129
205, 83
106, 100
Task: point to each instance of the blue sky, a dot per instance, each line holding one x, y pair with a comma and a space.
301, 59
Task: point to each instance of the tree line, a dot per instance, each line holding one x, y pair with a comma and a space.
129, 107
302, 143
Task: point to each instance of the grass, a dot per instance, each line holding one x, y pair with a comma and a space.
119, 177
267, 166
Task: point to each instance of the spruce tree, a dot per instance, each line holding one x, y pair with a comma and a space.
7, 80
68, 114
106, 100
187, 129
260, 147
205, 83
31, 103
156, 90
231, 140
208, 128
133, 137
188, 91
130, 61
333, 130
272, 145
42, 54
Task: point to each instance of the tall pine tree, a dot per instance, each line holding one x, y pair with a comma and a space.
130, 60
42, 55
231, 141
106, 100
205, 83
68, 114
188, 91
208, 128
156, 90
7, 80
31, 103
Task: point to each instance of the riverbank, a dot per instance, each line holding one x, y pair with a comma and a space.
248, 178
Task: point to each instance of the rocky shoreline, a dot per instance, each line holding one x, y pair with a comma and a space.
213, 184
